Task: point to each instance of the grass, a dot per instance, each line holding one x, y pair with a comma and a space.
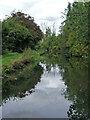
12, 64
9, 54
6, 61
12, 57
7, 58
0, 56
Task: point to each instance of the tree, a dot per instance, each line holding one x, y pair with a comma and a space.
74, 30
0, 38
48, 32
53, 30
15, 36
19, 32
28, 21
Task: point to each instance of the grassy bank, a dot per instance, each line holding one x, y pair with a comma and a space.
7, 60
9, 54
11, 64
20, 73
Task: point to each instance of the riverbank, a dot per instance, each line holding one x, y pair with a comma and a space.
11, 64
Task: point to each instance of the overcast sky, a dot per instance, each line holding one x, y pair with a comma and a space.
43, 11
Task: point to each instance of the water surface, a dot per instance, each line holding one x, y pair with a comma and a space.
46, 99
48, 91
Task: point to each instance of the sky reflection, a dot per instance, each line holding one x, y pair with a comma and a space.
46, 101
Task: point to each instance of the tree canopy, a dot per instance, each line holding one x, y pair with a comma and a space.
73, 37
19, 31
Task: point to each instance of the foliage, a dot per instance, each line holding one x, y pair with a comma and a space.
74, 73
48, 32
28, 21
75, 76
49, 46
12, 64
16, 84
9, 54
19, 32
73, 37
74, 30
7, 60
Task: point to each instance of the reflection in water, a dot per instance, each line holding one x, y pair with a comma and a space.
76, 79
17, 84
75, 76
46, 100
61, 91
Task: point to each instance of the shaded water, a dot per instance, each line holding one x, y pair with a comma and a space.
50, 90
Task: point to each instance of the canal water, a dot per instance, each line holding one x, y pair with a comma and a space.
59, 92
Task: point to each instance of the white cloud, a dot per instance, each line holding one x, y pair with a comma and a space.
42, 10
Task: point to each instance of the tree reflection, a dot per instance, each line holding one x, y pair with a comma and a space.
20, 84
74, 72
75, 76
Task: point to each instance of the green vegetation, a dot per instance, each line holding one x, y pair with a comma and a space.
23, 49
21, 81
21, 34
73, 40
19, 31
9, 54
75, 76
7, 60
13, 64
74, 30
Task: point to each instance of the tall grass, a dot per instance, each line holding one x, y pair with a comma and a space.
7, 61
24, 59
27, 57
